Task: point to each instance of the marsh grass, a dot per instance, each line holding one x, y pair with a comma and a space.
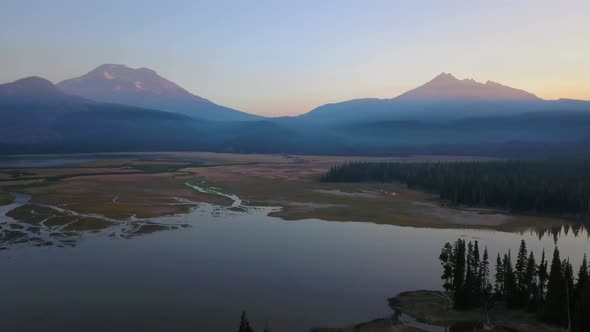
6, 198
147, 188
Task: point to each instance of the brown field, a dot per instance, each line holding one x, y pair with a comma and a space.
122, 188
19, 183
28, 173
120, 196
129, 162
295, 187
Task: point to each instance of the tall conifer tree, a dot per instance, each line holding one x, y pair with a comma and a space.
555, 309
484, 274
499, 277
447, 262
520, 267
543, 276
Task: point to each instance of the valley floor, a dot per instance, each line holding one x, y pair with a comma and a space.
150, 185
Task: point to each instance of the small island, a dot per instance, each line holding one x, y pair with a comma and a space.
525, 297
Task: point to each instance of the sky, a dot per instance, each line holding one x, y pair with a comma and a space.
287, 57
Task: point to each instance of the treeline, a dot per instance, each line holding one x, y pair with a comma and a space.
548, 187
556, 295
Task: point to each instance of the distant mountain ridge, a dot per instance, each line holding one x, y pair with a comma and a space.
142, 87
444, 98
446, 87
444, 116
33, 89
33, 111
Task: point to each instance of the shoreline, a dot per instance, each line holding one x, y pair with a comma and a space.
144, 187
430, 311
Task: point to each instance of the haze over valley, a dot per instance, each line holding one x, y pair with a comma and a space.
117, 108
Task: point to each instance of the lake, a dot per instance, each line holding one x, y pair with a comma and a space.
295, 275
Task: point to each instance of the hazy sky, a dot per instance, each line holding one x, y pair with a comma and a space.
287, 57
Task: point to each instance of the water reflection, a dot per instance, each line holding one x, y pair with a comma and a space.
555, 232
25, 224
294, 274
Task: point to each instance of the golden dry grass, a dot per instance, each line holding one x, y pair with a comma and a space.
120, 196
295, 187
277, 180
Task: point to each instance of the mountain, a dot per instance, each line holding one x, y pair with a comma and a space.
444, 116
34, 112
444, 98
28, 107
38, 117
143, 87
446, 87
33, 90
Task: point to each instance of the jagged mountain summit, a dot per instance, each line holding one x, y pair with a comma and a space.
445, 115
443, 98
142, 87
446, 87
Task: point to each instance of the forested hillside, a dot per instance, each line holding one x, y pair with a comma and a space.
548, 187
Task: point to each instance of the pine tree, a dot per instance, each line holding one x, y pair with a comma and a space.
499, 277
582, 298
459, 274
555, 309
543, 276
582, 320
520, 266
476, 262
484, 274
447, 260
567, 302
476, 259
531, 288
535, 187
511, 293
568, 275
583, 276
245, 324
467, 298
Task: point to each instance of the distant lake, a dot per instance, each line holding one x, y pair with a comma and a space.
294, 274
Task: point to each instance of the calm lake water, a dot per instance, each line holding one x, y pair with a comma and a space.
294, 274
